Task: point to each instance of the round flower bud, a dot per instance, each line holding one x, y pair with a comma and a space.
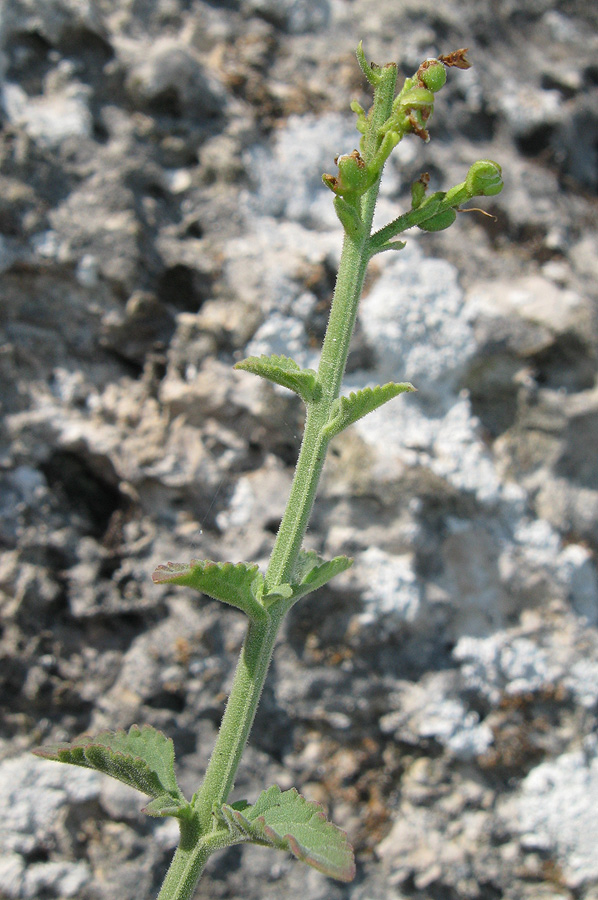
484, 179
416, 98
433, 75
439, 222
353, 175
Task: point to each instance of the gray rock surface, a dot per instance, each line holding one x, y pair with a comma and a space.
161, 217
37, 802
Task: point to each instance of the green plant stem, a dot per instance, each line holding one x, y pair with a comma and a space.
330, 372
343, 313
258, 646
261, 635
239, 714
188, 862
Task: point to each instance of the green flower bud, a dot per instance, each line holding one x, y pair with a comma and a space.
440, 222
354, 177
433, 74
416, 98
353, 174
484, 179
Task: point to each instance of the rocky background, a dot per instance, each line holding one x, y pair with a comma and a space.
161, 217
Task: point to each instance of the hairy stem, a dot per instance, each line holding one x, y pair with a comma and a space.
343, 313
313, 448
261, 636
188, 862
239, 714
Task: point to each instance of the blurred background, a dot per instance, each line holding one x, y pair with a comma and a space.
162, 216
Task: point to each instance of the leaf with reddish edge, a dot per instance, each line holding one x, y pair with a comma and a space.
288, 821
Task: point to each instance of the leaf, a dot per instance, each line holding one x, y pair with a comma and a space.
372, 74
311, 571
284, 371
167, 806
288, 821
142, 757
237, 584
280, 592
389, 245
349, 409
348, 216
309, 574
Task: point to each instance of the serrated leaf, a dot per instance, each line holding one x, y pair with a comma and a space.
284, 371
311, 571
349, 409
237, 584
142, 757
288, 821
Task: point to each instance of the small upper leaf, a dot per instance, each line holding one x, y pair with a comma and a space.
372, 72
389, 245
284, 371
236, 584
166, 806
143, 758
309, 574
349, 217
349, 409
288, 821
311, 571
280, 592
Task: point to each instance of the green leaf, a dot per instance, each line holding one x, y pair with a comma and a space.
362, 121
311, 571
389, 245
288, 821
237, 584
280, 592
284, 371
349, 409
142, 757
167, 806
371, 72
348, 216
309, 574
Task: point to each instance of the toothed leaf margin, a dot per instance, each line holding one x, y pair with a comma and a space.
284, 371
142, 757
312, 572
288, 821
237, 584
348, 410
